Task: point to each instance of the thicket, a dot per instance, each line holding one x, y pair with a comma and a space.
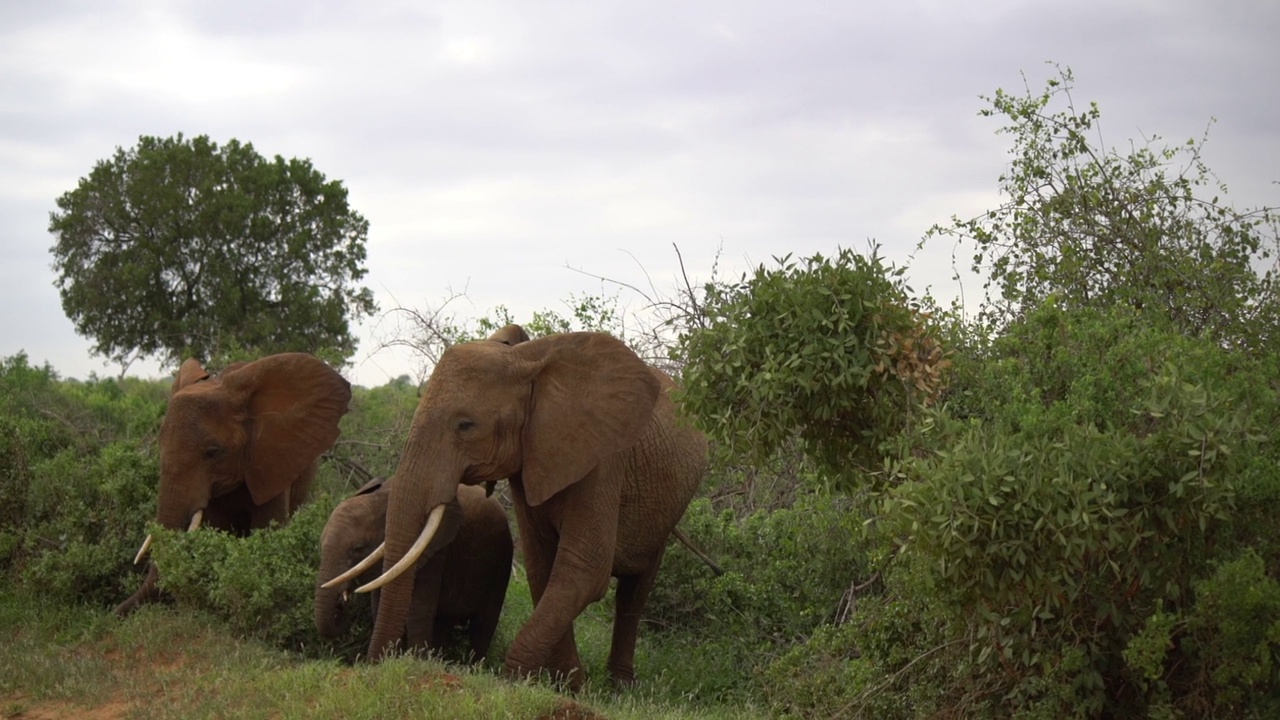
1082, 523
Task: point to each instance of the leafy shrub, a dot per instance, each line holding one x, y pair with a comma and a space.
373, 436
1090, 484
77, 479
1234, 633
261, 585
1145, 228
785, 571
85, 515
831, 350
894, 656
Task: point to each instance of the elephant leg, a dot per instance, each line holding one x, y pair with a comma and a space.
484, 621
421, 632
630, 597
579, 561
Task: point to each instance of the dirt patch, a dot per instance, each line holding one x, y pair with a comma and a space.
446, 682
569, 710
18, 708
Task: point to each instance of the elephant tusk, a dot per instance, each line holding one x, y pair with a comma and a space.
142, 551
146, 544
358, 568
411, 557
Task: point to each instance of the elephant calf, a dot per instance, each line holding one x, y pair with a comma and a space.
463, 582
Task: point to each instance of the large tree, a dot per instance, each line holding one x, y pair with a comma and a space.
178, 247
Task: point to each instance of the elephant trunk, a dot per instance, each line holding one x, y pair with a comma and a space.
179, 499
418, 488
145, 594
173, 513
330, 603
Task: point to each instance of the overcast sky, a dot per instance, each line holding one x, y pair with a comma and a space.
514, 150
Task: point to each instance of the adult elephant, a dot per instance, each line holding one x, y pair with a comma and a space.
600, 467
238, 451
464, 581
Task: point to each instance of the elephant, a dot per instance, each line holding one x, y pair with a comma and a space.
463, 582
238, 451
600, 468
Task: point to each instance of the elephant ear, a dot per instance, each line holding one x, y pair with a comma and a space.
190, 372
592, 396
372, 486
293, 402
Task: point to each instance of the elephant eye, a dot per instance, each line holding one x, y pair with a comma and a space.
465, 425
212, 452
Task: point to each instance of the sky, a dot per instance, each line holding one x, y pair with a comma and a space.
515, 153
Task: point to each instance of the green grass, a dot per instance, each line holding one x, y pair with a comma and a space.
171, 662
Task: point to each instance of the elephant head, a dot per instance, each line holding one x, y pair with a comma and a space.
599, 469
354, 529
238, 451
460, 579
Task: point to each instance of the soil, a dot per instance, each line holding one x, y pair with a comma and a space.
16, 707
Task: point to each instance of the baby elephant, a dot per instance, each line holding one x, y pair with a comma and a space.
463, 582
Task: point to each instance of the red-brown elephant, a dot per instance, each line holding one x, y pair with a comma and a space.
238, 451
600, 466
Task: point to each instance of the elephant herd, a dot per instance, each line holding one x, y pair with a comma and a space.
599, 465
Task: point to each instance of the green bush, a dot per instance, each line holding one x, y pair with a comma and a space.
1234, 632
894, 656
785, 571
832, 351
261, 585
77, 479
84, 522
1092, 482
373, 436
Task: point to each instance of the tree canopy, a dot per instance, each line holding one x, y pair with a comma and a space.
178, 247
1097, 227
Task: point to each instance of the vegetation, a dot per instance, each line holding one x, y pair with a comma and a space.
1061, 503
73, 661
178, 248
832, 351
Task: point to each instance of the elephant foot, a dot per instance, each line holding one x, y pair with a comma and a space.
623, 679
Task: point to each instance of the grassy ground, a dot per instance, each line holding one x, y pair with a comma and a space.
166, 662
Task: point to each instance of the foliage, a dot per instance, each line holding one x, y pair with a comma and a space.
831, 350
261, 585
894, 655
77, 479
178, 248
1235, 632
1095, 474
373, 435
787, 574
1097, 227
